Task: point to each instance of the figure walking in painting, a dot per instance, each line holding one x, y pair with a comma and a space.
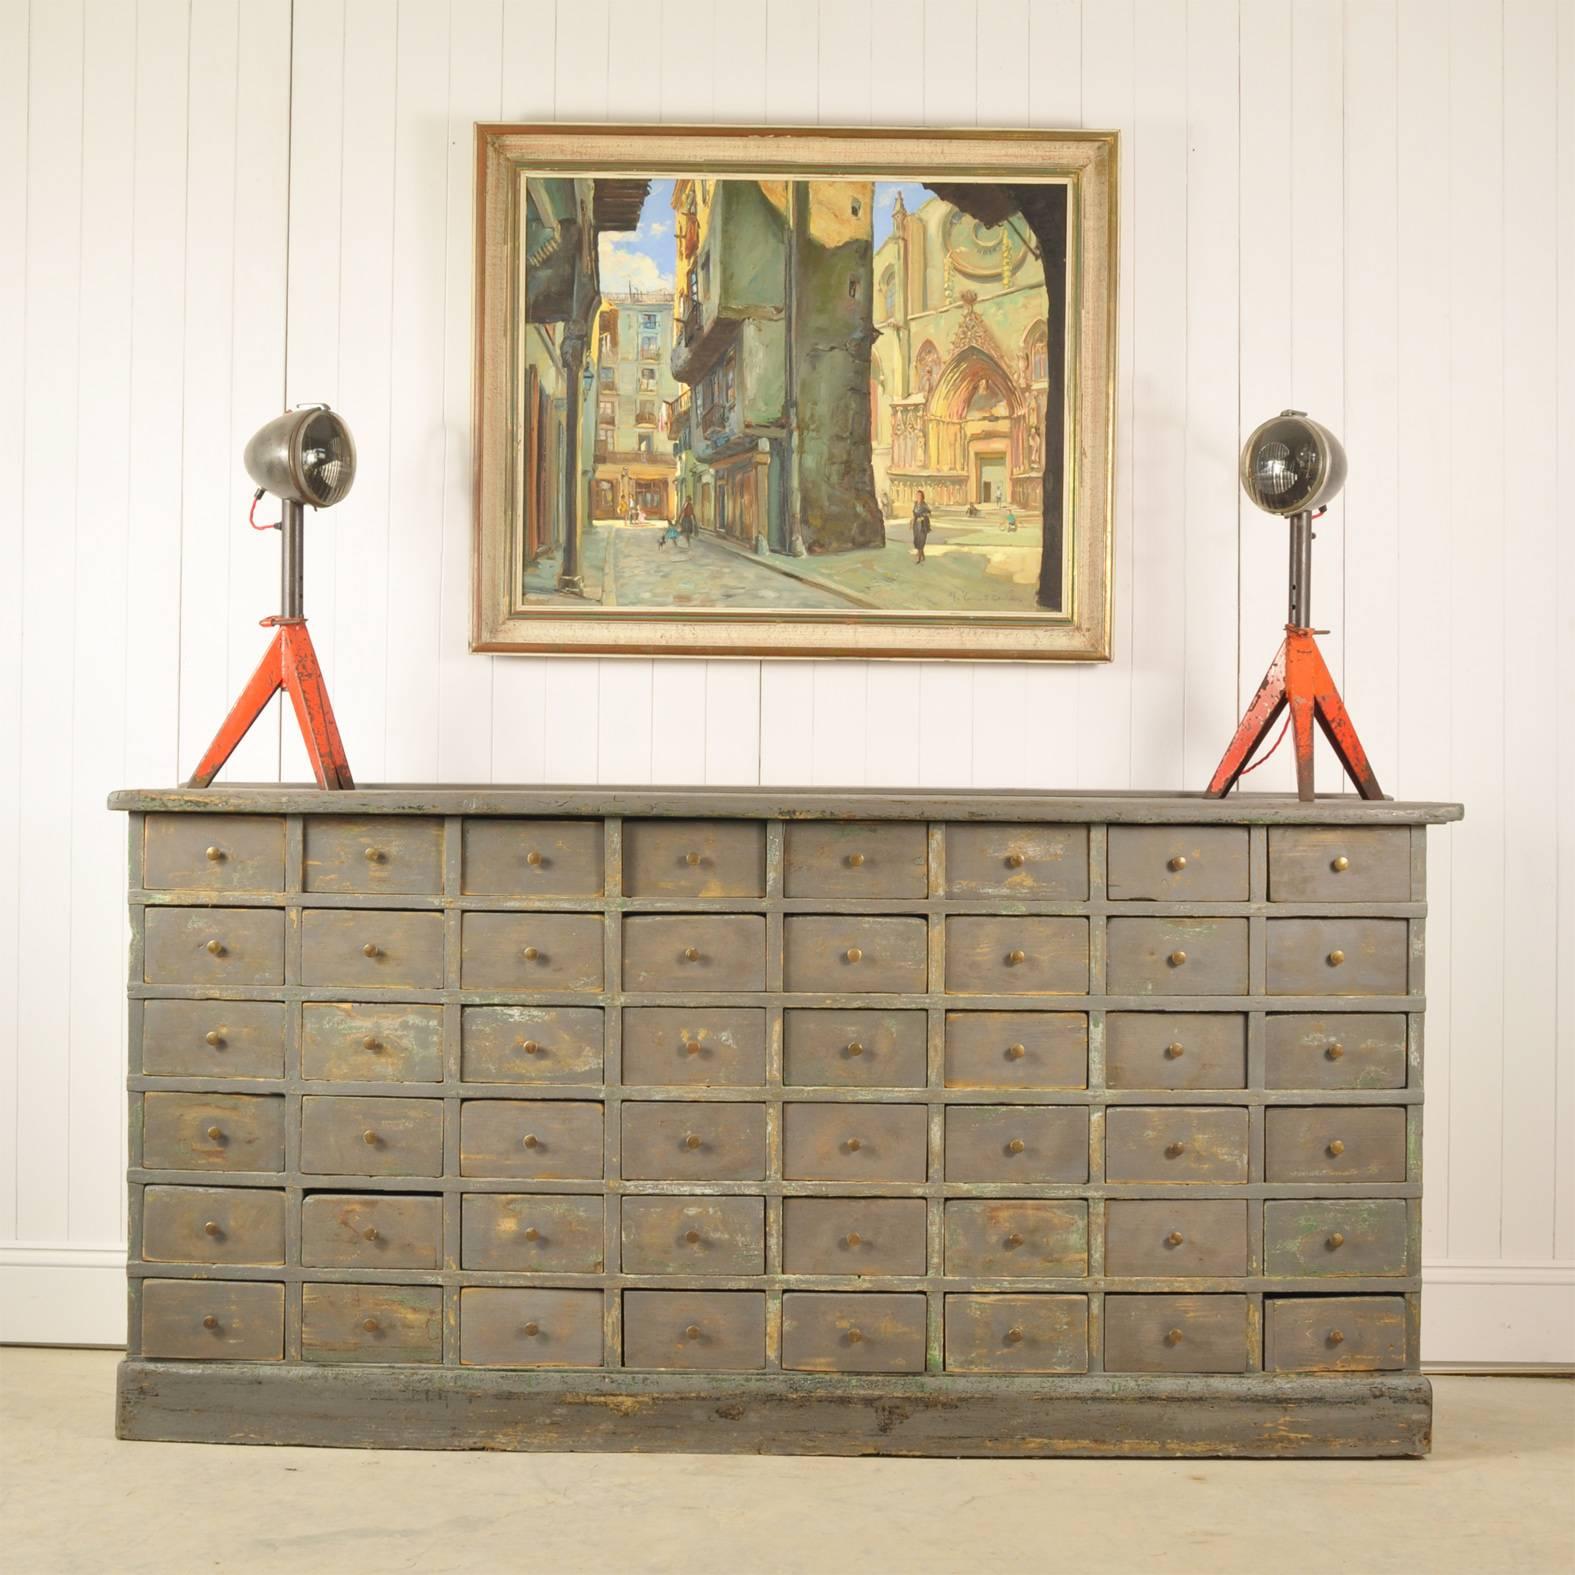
670, 532
688, 526
1011, 518
921, 526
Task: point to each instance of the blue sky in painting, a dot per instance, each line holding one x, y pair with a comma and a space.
642, 259
913, 196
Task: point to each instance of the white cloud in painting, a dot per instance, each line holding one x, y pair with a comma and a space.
656, 228
623, 268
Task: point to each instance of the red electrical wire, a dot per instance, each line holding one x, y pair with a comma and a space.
251, 515
1272, 747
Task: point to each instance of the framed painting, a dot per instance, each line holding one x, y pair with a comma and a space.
745, 392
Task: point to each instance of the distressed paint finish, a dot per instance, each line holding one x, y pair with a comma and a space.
689, 1046
1181, 1050
1335, 1238
213, 1321
502, 1327
860, 862
532, 1233
1006, 1050
824, 1332
1343, 1143
216, 948
1344, 1050
1344, 864
854, 1236
1182, 1238
698, 1142
847, 954
1334, 1334
694, 952
535, 1139
694, 1331
694, 1235
213, 853
1175, 1143
1337, 956
1176, 1334
392, 1324
519, 952
377, 857
1016, 1334
213, 1039
356, 1042
213, 1225
531, 1044
854, 1142
854, 1048
531, 858
370, 1230
1018, 1144
350, 1135
371, 949
1035, 863
1016, 955
1016, 1239
213, 1132
1178, 956
694, 858
1177, 864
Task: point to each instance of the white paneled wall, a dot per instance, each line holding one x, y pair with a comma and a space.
209, 208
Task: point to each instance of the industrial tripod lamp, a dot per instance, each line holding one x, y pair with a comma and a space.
1294, 467
306, 456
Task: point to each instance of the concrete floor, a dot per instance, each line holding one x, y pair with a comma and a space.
1496, 1495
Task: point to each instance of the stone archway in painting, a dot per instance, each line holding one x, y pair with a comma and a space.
974, 420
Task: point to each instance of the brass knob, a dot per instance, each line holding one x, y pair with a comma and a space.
1014, 1336
215, 1133
691, 954
1340, 864
1175, 1239
214, 1038
1014, 861
369, 1137
1015, 1052
855, 1336
532, 1141
214, 854
372, 1043
1336, 1240
530, 1047
854, 954
211, 1228
1336, 957
692, 1047
370, 1234
855, 1048
1175, 1050
1173, 1149
370, 1325
530, 954
216, 948
855, 860
533, 1328
1336, 1148
1173, 1337
374, 855
1179, 862
1016, 1146
1336, 1337
1335, 1051
210, 1322
853, 1145
853, 1239
692, 1140
1014, 957
533, 858
691, 858
692, 1332
692, 1237
1015, 1239
371, 949
1177, 959
532, 1234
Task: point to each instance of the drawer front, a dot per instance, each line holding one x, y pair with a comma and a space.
711, 1046
1175, 1050
236, 1132
387, 1324
212, 1321
214, 948
343, 1135
1334, 1143
1177, 957
532, 858
538, 1139
1017, 1143
694, 951
694, 1331
1175, 1239
1017, 1334
872, 1236
853, 1332
1016, 956
213, 1039
1177, 864
531, 951
213, 853
212, 1225
1339, 864
344, 1042
856, 859
531, 1044
845, 955
1334, 1237
1009, 1238
525, 1233
371, 1230
1175, 1334
1016, 1049
1333, 1334
854, 1049
389, 855
1337, 956
371, 949
1033, 863
529, 1328
1175, 1143
694, 858
674, 1141
700, 1236
837, 1142
1343, 1050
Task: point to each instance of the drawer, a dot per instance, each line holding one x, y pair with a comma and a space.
212, 1132
1334, 1143
1176, 864
371, 1230
346, 1135
1339, 864
1164, 1143
678, 1141
530, 1328
1333, 1334
1177, 957
530, 1044
847, 1142
1337, 956
839, 954
1016, 956
526, 1233
212, 1321
1175, 1334
531, 951
1016, 1334
1173, 1240
1334, 1237
853, 1332
214, 948
873, 1236
700, 1236
854, 1048
1016, 1049
1343, 1050
1017, 1143
716, 1046
345, 1042
531, 858
213, 1039
1012, 1238
389, 855
694, 1331
884, 861
388, 1324
213, 853
1175, 1050
371, 949
694, 951
694, 858
1033, 863
212, 1225
539, 1139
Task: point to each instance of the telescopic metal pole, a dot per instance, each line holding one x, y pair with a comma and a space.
1301, 570
292, 544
